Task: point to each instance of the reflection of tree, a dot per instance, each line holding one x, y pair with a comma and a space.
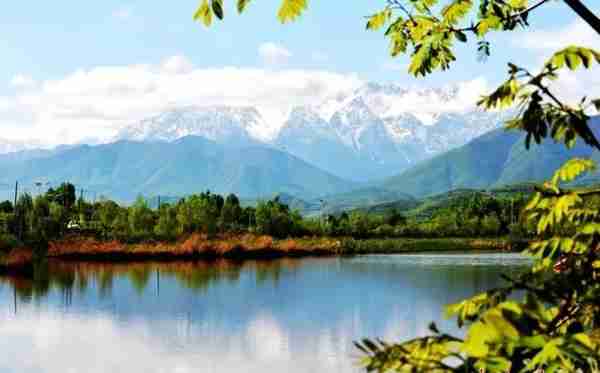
139, 277
105, 282
41, 278
268, 273
196, 276
82, 282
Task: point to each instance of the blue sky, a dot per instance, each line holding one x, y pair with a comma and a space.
52, 40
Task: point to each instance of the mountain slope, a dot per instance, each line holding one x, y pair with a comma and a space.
192, 164
11, 146
231, 126
380, 130
494, 159
369, 133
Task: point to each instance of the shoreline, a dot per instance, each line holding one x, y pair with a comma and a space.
242, 247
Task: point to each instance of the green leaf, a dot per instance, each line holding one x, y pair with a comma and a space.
573, 61
203, 13
518, 4
478, 339
573, 57
585, 340
456, 11
590, 229
489, 23
241, 5
378, 20
460, 36
291, 9
217, 6
398, 44
573, 169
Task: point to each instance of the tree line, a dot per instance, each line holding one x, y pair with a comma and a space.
49, 216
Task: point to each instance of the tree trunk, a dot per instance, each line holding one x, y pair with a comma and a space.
585, 14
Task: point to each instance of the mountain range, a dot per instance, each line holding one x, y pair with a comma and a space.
494, 159
126, 169
371, 133
12, 146
377, 144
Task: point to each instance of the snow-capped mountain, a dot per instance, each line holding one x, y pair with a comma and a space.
11, 146
385, 129
226, 125
373, 132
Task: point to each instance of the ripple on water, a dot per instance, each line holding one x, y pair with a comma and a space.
450, 259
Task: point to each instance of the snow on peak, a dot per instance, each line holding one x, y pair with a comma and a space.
372, 116
390, 100
11, 146
217, 123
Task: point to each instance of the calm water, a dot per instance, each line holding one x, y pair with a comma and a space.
279, 316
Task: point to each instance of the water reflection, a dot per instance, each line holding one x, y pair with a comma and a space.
285, 315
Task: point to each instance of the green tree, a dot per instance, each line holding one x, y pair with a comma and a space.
231, 212
184, 217
141, 218
276, 219
6, 207
166, 227
106, 213
64, 194
359, 224
552, 321
393, 217
264, 221
120, 225
22, 211
59, 219
37, 217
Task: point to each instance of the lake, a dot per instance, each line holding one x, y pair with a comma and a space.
288, 315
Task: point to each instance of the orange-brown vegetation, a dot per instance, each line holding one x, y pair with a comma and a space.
195, 245
16, 261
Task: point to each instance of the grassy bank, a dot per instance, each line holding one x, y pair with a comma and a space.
16, 261
243, 246
431, 245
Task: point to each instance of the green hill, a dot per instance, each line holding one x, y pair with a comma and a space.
495, 159
124, 170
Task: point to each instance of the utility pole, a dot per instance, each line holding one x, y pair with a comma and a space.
512, 210
321, 222
157, 282
17, 218
16, 193
15, 297
159, 202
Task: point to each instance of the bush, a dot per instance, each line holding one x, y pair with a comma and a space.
8, 242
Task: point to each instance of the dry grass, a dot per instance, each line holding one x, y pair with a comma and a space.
16, 261
241, 246
196, 245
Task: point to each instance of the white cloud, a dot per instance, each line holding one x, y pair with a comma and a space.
426, 104
274, 54
22, 81
123, 13
96, 342
178, 65
571, 86
97, 102
577, 33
